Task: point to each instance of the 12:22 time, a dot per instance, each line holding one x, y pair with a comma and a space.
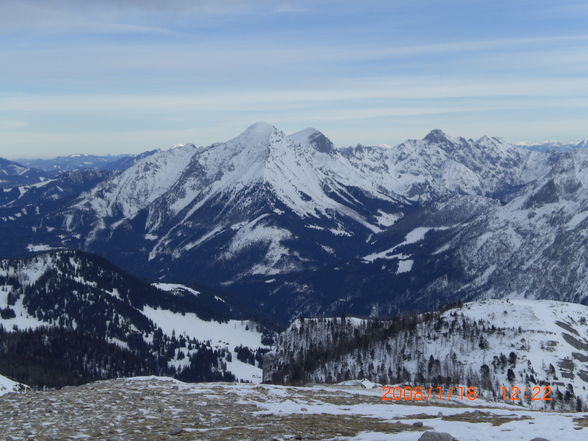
515, 393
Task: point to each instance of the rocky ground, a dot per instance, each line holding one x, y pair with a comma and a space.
164, 409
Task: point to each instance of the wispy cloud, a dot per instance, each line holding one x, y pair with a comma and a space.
502, 66
8, 124
129, 16
359, 89
147, 70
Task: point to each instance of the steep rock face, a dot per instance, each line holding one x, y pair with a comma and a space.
487, 344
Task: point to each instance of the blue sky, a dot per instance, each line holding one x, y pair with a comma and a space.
125, 76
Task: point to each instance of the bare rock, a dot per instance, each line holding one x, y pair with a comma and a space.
175, 429
436, 436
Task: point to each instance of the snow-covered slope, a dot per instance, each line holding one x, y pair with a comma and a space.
74, 291
135, 188
534, 246
488, 344
7, 386
262, 203
530, 244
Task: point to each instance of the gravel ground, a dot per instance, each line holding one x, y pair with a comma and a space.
164, 409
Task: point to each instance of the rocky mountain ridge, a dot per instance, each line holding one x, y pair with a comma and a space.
298, 227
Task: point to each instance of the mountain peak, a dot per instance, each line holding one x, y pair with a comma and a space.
258, 136
436, 135
582, 144
314, 138
258, 131
489, 141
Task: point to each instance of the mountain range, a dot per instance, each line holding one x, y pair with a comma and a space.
556, 146
61, 164
298, 227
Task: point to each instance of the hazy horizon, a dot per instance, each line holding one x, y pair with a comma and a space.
519, 143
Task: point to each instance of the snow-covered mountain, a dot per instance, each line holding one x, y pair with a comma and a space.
486, 344
265, 203
261, 203
24, 210
542, 232
12, 174
534, 246
297, 227
439, 166
529, 242
88, 308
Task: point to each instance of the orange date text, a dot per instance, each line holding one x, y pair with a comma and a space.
419, 393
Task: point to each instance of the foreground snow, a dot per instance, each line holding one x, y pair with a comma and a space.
8, 386
163, 408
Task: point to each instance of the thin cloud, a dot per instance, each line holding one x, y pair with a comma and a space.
12, 124
268, 98
254, 55
115, 16
82, 68
288, 8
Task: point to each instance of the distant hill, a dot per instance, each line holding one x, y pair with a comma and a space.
60, 164
487, 344
13, 174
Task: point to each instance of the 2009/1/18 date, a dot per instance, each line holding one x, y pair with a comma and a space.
418, 393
